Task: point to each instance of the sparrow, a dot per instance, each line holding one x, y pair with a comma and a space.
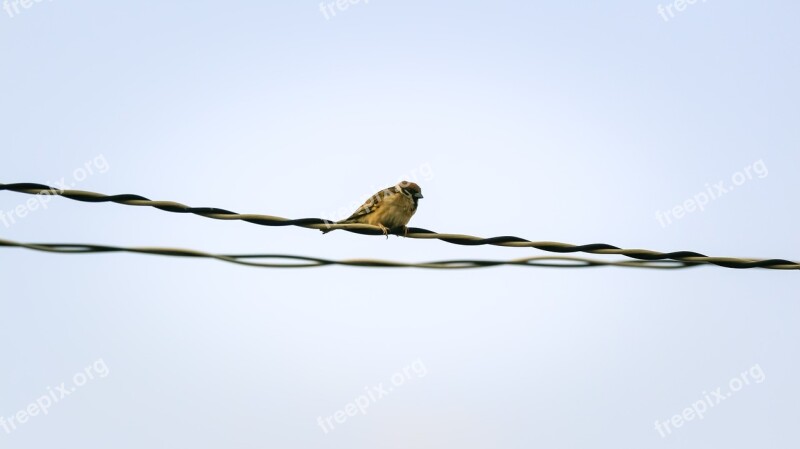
390, 209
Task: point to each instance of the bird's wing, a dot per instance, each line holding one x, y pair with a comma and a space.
372, 204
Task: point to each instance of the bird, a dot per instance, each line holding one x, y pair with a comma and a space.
390, 209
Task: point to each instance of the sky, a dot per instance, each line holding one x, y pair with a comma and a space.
666, 126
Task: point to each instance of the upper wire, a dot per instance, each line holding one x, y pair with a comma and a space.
412, 232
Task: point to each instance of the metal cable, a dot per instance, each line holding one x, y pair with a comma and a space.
416, 233
306, 262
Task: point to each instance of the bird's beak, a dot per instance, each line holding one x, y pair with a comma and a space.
418, 195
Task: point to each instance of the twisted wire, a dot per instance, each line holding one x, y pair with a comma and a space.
307, 262
417, 233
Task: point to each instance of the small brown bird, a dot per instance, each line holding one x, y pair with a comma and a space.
390, 209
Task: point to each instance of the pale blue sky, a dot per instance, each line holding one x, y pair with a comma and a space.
567, 122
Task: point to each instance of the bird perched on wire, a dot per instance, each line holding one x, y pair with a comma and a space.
390, 209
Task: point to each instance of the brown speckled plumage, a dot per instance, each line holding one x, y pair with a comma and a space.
390, 209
